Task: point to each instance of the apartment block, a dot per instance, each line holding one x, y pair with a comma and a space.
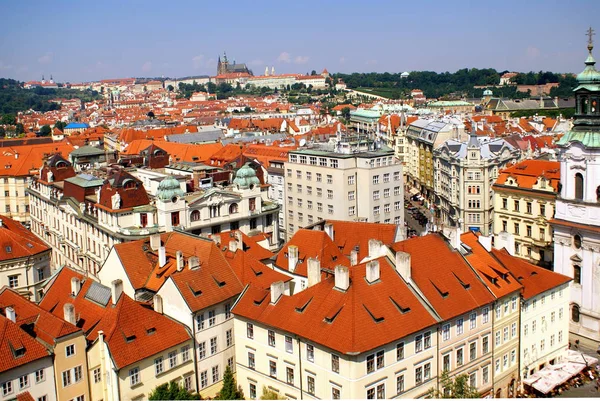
362, 186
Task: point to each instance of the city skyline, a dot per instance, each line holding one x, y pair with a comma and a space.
86, 42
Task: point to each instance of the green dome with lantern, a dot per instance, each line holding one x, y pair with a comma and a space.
245, 177
169, 188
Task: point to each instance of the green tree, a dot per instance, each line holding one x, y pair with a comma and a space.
313, 73
457, 387
170, 88
8, 119
230, 389
45, 130
2, 132
247, 109
346, 113
269, 395
60, 125
172, 391
19, 129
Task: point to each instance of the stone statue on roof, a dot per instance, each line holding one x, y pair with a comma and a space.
116, 201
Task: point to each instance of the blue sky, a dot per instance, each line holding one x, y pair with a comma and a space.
83, 41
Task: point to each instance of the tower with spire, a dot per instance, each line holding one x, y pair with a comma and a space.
576, 220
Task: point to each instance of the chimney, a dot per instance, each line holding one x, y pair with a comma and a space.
353, 257
117, 290
69, 311
193, 262
329, 230
505, 240
292, 257
314, 271
158, 303
75, 286
233, 245
374, 248
342, 278
403, 265
162, 256
155, 242
11, 314
0, 222
372, 271
217, 239
240, 241
455, 237
180, 262
276, 291
486, 242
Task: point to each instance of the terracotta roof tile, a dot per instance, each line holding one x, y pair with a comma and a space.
16, 241
15, 340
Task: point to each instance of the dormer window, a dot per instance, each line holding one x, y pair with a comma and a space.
130, 184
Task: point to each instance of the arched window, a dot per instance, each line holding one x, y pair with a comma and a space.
233, 208
195, 216
576, 274
577, 241
575, 313
579, 186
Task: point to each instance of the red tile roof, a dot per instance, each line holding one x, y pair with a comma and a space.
360, 319
311, 244
251, 271
495, 276
177, 151
47, 327
24, 396
534, 279
527, 172
13, 338
18, 242
132, 331
19, 161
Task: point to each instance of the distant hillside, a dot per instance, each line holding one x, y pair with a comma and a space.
453, 85
14, 98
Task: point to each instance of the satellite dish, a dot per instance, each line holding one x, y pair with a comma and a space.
302, 142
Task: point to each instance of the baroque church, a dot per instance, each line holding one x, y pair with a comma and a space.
223, 67
577, 219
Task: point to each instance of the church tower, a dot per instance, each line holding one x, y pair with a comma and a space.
577, 218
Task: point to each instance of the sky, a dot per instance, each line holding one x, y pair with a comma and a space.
82, 41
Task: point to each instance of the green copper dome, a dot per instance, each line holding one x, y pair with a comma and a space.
168, 189
245, 177
589, 75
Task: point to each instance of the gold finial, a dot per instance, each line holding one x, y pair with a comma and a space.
590, 33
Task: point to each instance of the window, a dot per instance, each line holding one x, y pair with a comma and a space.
351, 211
516, 208
498, 338
310, 384
40, 375
252, 391
213, 345
310, 352
529, 208
7, 387
250, 330
215, 374
505, 361
513, 356
459, 357
397, 205
396, 191
202, 350
504, 203
335, 363
43, 398
399, 351
386, 193
485, 347
529, 230
335, 393
427, 371
298, 174
533, 326
172, 359
251, 360
308, 190
380, 359
319, 177
134, 376
446, 362
419, 343
386, 177
289, 172
485, 374
419, 375
376, 210
505, 336
446, 332
376, 179
560, 313
329, 179
329, 194
289, 374
70, 350
227, 311
386, 208
375, 195
96, 374
308, 176
578, 186
66, 378
350, 180
560, 335
396, 176
204, 379
485, 316
459, 326
158, 366
497, 365
200, 321
187, 383
472, 350
23, 381
330, 209
351, 195
13, 281
211, 318
299, 188
516, 225
289, 347
185, 353
576, 274
575, 313
427, 340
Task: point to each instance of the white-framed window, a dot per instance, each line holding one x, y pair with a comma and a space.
386, 193
158, 366
505, 361
23, 382
227, 311
472, 350
351, 211
250, 330
397, 205
251, 360
498, 337
172, 359
427, 340
473, 379
202, 350
376, 210
289, 346
97, 375
351, 195
513, 330
211, 318
271, 338
70, 350
485, 315
310, 352
134, 376
40, 375
376, 195
215, 373
505, 336
446, 332
514, 303
252, 391
272, 368
289, 374
204, 379
200, 321
376, 179
376, 392
418, 343
335, 363
497, 364
13, 281
310, 384
229, 338
513, 356
7, 387
185, 353
350, 180
66, 378
485, 375
459, 326
485, 345
399, 351
473, 320
459, 357
213, 346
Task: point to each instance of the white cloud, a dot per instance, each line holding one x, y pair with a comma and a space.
46, 58
284, 57
301, 59
147, 66
4, 67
